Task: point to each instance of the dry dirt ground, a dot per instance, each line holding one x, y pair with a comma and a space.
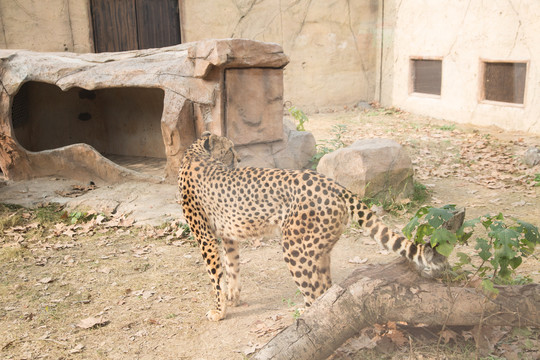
128, 283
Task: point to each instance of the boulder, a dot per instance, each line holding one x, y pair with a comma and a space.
258, 155
532, 156
295, 151
376, 168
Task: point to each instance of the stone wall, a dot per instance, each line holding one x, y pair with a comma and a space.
52, 25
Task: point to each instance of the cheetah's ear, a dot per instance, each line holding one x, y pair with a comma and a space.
207, 142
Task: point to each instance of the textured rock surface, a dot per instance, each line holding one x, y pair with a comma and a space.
230, 87
532, 156
295, 151
378, 168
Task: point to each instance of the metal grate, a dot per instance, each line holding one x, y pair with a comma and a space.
505, 81
427, 76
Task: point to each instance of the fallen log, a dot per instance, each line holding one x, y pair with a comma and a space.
376, 294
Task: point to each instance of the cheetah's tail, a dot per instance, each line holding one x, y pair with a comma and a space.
427, 259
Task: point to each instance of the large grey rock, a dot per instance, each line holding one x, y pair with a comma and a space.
258, 155
296, 150
532, 156
378, 168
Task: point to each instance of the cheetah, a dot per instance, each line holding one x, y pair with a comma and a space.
311, 211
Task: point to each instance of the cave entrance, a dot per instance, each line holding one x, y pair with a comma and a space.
123, 124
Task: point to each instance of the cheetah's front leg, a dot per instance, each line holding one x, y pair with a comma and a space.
210, 254
232, 263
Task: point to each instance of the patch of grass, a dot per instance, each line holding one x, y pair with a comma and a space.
397, 205
536, 179
10, 221
50, 214
15, 215
8, 254
10, 216
449, 127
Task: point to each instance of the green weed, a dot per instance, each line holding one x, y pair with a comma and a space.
536, 179
299, 116
327, 146
449, 127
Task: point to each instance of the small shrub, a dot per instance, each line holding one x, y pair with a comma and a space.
497, 256
299, 116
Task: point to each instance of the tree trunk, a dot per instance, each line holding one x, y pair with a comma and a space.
395, 292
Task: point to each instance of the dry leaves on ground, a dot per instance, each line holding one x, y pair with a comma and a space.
442, 151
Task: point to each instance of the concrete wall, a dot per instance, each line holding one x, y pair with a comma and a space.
462, 33
51, 25
332, 45
328, 42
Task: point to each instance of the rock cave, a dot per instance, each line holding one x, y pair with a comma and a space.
112, 117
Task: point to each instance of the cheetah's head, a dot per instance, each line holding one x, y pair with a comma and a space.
220, 148
438, 263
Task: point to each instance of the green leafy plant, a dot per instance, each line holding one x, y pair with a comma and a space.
291, 303
508, 241
299, 116
497, 255
427, 227
327, 146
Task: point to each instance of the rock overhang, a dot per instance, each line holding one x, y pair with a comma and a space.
192, 77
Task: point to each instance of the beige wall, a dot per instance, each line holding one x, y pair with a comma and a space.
463, 33
331, 44
51, 25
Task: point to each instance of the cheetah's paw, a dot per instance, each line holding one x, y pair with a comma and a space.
215, 315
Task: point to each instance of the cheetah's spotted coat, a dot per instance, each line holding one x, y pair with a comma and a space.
311, 210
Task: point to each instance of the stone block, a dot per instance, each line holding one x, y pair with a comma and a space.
254, 99
258, 155
377, 168
298, 150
